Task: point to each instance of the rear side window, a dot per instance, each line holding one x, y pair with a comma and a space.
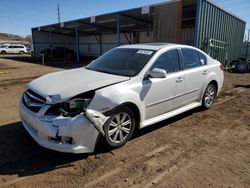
168, 61
191, 58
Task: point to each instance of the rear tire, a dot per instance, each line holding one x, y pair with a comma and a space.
242, 67
120, 127
209, 96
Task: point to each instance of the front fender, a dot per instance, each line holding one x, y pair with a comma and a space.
110, 98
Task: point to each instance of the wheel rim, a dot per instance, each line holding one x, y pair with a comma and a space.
209, 96
119, 127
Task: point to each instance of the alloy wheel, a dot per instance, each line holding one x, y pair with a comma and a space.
119, 127
209, 96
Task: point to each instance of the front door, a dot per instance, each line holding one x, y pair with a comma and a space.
160, 94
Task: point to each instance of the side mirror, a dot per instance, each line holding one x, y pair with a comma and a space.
158, 73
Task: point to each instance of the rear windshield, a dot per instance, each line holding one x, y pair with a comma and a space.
122, 61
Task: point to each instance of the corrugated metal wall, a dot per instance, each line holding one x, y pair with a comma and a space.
188, 36
167, 22
41, 40
215, 23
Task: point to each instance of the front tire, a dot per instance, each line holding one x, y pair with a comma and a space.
3, 52
209, 96
120, 127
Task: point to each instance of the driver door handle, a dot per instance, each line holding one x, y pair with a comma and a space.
179, 79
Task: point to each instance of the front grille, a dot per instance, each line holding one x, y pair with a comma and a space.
33, 101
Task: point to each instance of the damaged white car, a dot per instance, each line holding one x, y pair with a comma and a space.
129, 87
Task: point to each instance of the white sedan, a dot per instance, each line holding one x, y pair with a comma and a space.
129, 87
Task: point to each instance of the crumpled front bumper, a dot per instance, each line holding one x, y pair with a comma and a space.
83, 131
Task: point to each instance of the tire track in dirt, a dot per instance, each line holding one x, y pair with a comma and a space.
9, 68
14, 181
181, 164
16, 81
119, 169
229, 95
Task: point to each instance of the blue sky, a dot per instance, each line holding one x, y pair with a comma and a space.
18, 16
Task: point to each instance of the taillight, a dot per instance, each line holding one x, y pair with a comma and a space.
221, 67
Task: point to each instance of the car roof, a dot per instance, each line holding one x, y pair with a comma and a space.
152, 46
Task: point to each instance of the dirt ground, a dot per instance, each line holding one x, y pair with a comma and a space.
196, 149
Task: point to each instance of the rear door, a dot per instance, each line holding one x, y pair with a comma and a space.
160, 95
19, 49
15, 49
194, 73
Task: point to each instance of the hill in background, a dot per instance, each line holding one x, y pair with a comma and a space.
6, 37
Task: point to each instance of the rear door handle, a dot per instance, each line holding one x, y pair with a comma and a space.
179, 79
205, 72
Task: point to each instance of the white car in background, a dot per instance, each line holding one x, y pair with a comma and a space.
13, 49
129, 87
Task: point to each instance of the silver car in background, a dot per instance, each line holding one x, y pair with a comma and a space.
13, 49
129, 87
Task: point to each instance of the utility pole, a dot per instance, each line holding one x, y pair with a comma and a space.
58, 13
247, 43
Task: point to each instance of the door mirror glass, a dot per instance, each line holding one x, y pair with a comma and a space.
158, 73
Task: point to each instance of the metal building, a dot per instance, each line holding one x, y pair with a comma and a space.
200, 23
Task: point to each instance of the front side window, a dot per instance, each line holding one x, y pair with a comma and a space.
122, 61
191, 58
168, 61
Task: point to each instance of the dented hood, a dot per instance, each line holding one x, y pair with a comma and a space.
72, 82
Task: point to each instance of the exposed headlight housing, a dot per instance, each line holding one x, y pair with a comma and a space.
72, 107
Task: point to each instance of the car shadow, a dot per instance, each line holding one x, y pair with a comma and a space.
165, 123
21, 155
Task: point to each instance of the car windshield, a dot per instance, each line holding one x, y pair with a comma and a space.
122, 61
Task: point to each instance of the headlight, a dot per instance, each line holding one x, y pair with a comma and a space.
72, 107
69, 108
